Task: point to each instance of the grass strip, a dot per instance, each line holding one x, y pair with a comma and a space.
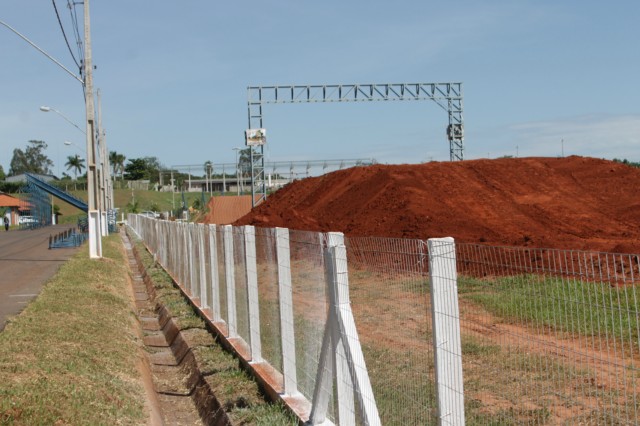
238, 393
70, 356
572, 306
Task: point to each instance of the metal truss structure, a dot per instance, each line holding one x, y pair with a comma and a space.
37, 204
447, 95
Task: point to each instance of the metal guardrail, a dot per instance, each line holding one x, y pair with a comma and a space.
66, 239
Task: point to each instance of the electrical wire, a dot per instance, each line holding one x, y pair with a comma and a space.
76, 32
74, 20
63, 33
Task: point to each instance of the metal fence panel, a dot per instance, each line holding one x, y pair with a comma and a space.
391, 303
222, 273
546, 337
549, 336
241, 291
309, 305
268, 291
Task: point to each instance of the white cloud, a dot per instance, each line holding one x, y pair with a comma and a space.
605, 136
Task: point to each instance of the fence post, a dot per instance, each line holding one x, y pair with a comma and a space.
251, 270
204, 298
285, 298
185, 256
341, 353
229, 271
446, 331
213, 264
191, 257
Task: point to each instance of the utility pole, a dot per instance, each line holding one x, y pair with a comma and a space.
95, 230
103, 205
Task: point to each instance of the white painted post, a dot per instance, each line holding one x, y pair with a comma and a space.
344, 384
251, 270
174, 243
213, 263
232, 321
204, 299
446, 331
191, 256
349, 334
341, 351
160, 241
285, 296
324, 375
185, 256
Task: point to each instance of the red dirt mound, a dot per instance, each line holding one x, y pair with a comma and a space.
227, 209
571, 203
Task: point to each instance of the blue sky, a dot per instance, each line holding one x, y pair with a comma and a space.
174, 77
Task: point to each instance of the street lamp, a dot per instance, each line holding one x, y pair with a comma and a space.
95, 243
96, 195
47, 109
69, 143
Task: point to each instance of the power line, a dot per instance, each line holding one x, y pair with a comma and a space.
64, 34
76, 27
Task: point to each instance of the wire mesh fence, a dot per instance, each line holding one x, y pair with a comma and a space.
391, 303
310, 305
549, 336
540, 336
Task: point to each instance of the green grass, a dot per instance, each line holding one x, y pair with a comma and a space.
404, 391
146, 200
568, 306
239, 395
70, 357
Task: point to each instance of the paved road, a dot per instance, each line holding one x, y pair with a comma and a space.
26, 263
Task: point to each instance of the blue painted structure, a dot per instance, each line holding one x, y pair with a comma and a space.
56, 192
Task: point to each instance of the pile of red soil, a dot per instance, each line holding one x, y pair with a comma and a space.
227, 209
570, 203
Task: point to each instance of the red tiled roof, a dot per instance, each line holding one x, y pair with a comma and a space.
9, 201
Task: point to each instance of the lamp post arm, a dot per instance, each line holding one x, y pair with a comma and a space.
67, 119
42, 51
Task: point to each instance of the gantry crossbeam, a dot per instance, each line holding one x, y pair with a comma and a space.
447, 95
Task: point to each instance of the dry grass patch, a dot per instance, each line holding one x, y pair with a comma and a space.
70, 357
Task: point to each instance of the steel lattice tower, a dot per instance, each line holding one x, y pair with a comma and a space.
447, 95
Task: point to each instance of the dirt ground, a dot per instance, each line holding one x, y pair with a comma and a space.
227, 209
569, 203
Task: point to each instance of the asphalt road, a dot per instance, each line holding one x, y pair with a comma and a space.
26, 263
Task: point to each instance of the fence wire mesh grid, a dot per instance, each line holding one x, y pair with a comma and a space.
545, 336
549, 336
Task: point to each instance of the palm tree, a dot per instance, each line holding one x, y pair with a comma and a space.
77, 164
113, 160
117, 163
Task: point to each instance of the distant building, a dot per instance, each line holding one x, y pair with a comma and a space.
11, 205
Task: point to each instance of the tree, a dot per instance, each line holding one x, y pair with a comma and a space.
117, 163
31, 160
2, 175
153, 168
143, 168
244, 161
136, 169
75, 163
